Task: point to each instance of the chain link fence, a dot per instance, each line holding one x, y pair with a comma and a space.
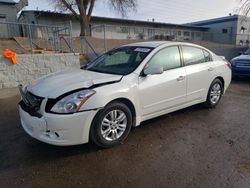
32, 37
58, 38
107, 32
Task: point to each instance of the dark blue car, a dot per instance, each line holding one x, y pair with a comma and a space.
241, 64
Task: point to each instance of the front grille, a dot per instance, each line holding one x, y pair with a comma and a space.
242, 64
32, 101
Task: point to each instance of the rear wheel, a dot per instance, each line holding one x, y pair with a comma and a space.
112, 125
214, 93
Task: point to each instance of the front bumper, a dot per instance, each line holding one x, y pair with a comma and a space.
240, 70
58, 129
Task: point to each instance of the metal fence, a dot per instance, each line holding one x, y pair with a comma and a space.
35, 36
59, 38
107, 32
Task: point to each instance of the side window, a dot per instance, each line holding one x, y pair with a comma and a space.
168, 58
193, 55
207, 56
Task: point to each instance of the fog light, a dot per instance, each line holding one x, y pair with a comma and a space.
52, 135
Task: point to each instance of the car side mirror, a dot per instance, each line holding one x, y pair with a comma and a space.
84, 66
156, 69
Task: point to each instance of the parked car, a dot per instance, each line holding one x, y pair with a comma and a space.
121, 89
241, 64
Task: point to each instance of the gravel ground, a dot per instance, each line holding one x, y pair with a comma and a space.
193, 147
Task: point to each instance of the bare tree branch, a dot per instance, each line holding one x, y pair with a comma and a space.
91, 7
123, 6
82, 9
70, 7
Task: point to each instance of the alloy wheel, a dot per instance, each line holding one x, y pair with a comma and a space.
113, 125
215, 93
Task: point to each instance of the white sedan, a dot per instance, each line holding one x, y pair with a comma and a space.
120, 89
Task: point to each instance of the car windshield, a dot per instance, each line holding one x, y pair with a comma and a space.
121, 61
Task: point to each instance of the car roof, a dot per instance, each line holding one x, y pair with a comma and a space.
155, 44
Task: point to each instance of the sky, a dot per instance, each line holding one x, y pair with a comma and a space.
168, 11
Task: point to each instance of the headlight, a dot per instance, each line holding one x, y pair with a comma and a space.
73, 102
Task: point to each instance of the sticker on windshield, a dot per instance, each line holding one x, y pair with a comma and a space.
142, 50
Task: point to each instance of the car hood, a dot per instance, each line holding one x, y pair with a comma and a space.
58, 83
242, 58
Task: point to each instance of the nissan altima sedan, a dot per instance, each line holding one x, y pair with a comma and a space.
119, 90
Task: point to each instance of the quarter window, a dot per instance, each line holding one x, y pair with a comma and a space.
168, 58
193, 55
207, 56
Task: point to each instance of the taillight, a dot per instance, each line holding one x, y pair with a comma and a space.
228, 64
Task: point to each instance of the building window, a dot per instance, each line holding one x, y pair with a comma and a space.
150, 32
109, 28
122, 29
179, 33
2, 16
198, 34
186, 33
136, 30
225, 31
167, 32
242, 29
98, 29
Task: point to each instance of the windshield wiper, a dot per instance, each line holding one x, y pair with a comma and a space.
96, 70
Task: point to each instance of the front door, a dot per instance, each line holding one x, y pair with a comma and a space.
158, 93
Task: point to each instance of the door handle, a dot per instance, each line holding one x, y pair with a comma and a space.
180, 78
210, 69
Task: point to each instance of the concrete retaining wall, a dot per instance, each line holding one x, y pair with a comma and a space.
33, 66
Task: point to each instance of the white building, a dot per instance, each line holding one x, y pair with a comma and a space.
114, 28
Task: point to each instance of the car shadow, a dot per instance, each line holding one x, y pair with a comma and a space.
241, 80
175, 114
17, 149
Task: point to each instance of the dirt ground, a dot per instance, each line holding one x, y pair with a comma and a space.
193, 147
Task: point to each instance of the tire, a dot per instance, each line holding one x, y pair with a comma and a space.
214, 93
111, 125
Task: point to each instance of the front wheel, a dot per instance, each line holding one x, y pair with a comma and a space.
111, 125
214, 93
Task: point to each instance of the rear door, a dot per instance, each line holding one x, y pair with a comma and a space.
199, 70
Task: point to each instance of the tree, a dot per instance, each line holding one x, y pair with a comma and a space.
82, 9
244, 7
